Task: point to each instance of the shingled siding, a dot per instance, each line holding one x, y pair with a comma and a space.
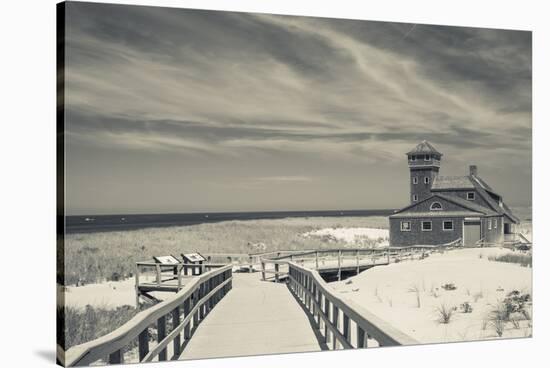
418, 237
422, 190
462, 194
493, 235
425, 206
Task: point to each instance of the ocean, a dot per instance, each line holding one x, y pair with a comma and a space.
100, 223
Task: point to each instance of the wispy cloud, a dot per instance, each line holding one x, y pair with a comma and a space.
236, 86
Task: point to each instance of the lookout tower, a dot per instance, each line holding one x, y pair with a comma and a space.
424, 161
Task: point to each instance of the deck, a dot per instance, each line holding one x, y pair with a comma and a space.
254, 318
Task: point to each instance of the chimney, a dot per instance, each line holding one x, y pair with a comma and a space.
473, 170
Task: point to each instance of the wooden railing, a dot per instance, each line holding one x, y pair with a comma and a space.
185, 311
336, 317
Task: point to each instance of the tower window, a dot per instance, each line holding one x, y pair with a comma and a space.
426, 226
415, 197
415, 179
426, 180
405, 226
426, 157
448, 225
471, 196
436, 206
413, 158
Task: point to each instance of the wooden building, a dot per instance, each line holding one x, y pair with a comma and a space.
444, 209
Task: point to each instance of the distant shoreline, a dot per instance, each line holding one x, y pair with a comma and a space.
104, 223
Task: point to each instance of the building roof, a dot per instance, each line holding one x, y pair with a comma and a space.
470, 208
473, 182
424, 147
452, 182
432, 214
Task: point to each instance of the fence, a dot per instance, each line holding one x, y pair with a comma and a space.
335, 317
185, 311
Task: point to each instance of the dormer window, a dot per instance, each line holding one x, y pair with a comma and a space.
436, 206
471, 196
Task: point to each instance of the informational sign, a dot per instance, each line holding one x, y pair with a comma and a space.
167, 260
193, 257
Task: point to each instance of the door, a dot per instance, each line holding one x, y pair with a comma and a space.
472, 232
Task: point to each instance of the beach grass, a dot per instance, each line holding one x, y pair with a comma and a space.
97, 257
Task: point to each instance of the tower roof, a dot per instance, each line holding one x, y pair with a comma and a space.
424, 147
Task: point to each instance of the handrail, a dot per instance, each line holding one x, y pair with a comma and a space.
323, 304
196, 299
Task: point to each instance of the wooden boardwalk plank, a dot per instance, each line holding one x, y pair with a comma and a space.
254, 318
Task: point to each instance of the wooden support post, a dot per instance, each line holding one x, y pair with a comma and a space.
137, 287
339, 265
158, 273
186, 309
177, 339
316, 260
179, 277
276, 272
263, 270
336, 324
346, 332
250, 265
327, 315
143, 344
361, 338
161, 332
117, 357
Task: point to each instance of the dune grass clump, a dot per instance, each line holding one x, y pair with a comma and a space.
82, 325
445, 313
524, 260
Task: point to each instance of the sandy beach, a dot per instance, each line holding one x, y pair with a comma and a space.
388, 292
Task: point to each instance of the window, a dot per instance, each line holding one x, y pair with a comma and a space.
436, 206
496, 224
448, 225
413, 158
489, 222
405, 226
426, 157
471, 196
426, 180
415, 179
415, 197
426, 226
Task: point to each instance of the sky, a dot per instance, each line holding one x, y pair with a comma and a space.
176, 110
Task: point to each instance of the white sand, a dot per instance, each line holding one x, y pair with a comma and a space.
352, 235
385, 291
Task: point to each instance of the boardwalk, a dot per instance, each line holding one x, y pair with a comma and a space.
254, 318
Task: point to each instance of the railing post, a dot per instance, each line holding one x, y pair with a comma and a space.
250, 267
137, 287
361, 338
336, 324
175, 323
263, 270
276, 272
161, 334
179, 277
186, 309
316, 260
346, 332
327, 315
339, 265
158, 273
143, 343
